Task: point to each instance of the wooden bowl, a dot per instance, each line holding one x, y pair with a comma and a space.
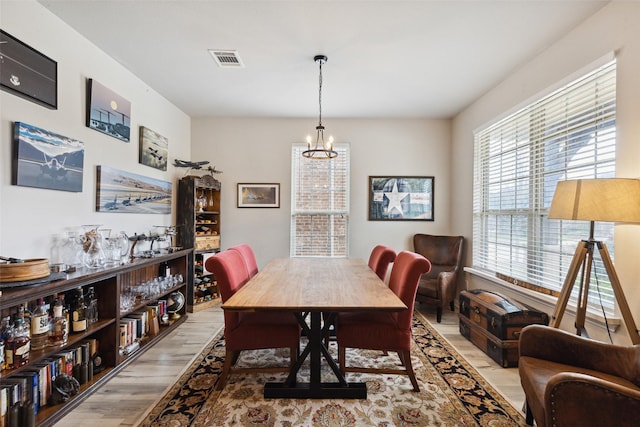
34, 268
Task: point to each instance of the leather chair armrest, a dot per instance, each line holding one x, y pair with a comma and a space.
447, 285
556, 345
574, 399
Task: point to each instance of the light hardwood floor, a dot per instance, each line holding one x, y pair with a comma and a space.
131, 393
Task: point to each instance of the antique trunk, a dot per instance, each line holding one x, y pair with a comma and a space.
504, 352
493, 323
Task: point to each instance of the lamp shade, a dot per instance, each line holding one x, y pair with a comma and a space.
603, 199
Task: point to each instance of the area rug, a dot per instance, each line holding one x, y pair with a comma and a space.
452, 392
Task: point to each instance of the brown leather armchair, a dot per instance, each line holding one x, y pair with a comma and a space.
439, 286
569, 380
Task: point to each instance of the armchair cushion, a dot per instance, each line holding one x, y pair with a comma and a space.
572, 380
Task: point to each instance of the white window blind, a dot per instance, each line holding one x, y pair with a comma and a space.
319, 204
568, 134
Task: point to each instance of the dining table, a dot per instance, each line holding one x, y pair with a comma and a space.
315, 290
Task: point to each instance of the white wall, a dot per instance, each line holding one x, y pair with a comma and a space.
30, 218
259, 150
614, 28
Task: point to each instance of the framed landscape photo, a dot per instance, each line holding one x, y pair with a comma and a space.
108, 112
120, 191
401, 198
258, 195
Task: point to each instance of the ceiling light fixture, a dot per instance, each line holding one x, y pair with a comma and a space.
320, 150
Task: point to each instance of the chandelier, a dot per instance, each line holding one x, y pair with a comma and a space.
321, 149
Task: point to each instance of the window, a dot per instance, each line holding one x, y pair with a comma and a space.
569, 134
319, 204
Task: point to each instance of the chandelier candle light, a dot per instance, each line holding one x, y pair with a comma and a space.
604, 199
320, 150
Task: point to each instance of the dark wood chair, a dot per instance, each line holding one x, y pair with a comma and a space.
386, 331
379, 260
439, 286
249, 331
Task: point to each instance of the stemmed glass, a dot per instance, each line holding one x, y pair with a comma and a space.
201, 200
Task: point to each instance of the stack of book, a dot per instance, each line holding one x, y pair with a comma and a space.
23, 394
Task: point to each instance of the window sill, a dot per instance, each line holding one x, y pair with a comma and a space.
546, 303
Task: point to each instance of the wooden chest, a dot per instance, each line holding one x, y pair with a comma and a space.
204, 243
493, 323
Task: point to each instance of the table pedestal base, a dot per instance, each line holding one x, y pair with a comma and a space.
307, 391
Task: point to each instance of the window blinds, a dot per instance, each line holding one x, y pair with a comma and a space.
518, 161
319, 203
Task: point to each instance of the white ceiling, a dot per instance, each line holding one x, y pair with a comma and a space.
385, 58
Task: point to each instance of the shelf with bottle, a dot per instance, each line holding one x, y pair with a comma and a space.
41, 329
92, 300
205, 289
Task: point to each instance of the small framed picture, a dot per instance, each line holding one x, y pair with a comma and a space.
154, 149
400, 198
258, 195
108, 112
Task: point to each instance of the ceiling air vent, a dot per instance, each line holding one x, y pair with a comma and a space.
226, 58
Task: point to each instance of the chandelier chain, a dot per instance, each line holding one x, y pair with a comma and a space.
321, 149
320, 95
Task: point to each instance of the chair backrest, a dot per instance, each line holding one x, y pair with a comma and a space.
444, 252
249, 258
405, 276
380, 258
231, 274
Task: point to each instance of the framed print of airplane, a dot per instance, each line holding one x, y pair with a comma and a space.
45, 159
119, 191
108, 112
258, 195
154, 149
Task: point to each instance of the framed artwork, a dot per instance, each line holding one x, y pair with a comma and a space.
400, 198
154, 149
27, 73
258, 195
45, 159
119, 191
108, 112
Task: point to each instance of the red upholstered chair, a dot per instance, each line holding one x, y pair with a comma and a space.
385, 330
249, 331
380, 258
249, 258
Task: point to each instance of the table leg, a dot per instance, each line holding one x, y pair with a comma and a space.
315, 388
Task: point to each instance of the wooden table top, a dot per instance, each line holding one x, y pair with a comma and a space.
315, 284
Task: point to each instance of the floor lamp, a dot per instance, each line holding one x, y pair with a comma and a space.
607, 199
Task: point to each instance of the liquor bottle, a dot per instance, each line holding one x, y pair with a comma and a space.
92, 306
21, 343
6, 331
165, 270
39, 326
58, 328
65, 312
78, 316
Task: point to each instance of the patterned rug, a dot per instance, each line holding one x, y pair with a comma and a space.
452, 393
